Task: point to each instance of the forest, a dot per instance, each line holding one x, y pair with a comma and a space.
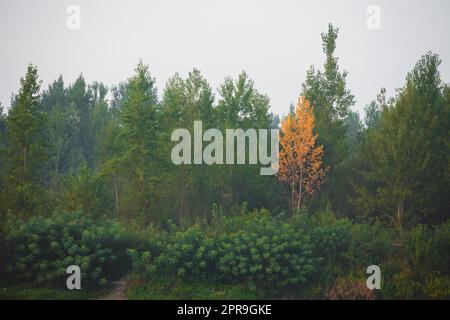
87, 179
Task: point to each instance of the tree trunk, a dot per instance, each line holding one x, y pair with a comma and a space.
116, 193
300, 188
25, 151
400, 213
181, 183
292, 196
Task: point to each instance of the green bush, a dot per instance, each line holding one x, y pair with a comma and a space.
428, 248
332, 242
40, 249
250, 249
371, 244
421, 270
343, 247
267, 254
86, 190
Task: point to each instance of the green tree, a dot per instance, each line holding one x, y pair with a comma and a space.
60, 129
140, 135
185, 101
80, 98
327, 91
407, 153
26, 148
242, 106
3, 154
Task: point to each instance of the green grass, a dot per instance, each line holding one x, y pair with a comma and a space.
164, 290
21, 293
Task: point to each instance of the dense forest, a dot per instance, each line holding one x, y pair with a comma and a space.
87, 179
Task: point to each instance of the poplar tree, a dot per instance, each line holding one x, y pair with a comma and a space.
26, 148
300, 158
327, 91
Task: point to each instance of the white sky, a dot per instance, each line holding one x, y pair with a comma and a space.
274, 41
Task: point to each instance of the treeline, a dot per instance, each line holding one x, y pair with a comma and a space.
70, 148
106, 151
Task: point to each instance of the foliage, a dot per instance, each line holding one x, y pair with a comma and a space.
161, 289
86, 191
406, 154
300, 160
327, 91
26, 148
202, 226
349, 288
40, 249
262, 254
428, 248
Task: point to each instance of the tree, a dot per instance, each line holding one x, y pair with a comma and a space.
26, 147
242, 106
185, 101
60, 129
110, 148
138, 118
80, 97
3, 154
327, 91
407, 152
300, 159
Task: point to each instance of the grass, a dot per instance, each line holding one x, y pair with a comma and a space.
22, 293
165, 290
138, 289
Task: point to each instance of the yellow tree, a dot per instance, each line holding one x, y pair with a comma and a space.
300, 159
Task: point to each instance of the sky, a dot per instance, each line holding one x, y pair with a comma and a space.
274, 41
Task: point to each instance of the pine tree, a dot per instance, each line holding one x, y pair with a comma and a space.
407, 153
26, 148
140, 132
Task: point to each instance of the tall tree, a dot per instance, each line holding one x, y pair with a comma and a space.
242, 106
407, 153
26, 147
327, 91
3, 153
80, 97
185, 101
300, 158
60, 129
140, 135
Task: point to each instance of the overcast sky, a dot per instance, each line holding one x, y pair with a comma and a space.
274, 41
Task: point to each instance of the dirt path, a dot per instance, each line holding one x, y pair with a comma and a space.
119, 291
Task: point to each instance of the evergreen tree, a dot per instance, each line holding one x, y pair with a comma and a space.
140, 132
407, 153
80, 97
60, 130
328, 94
26, 148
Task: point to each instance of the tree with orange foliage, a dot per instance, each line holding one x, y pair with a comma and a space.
300, 160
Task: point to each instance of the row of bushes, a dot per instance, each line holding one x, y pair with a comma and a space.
309, 256
38, 251
261, 253
305, 256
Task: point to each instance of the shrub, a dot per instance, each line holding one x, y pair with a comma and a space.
87, 191
250, 249
41, 249
332, 242
349, 288
421, 271
428, 248
370, 244
266, 254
